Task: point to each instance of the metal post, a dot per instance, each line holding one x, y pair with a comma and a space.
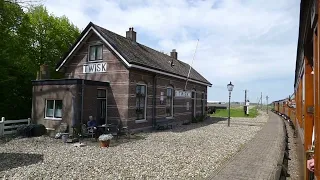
2, 126
229, 109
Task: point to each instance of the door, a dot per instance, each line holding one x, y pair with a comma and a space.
102, 106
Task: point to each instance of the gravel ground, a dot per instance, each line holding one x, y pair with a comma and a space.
293, 164
187, 152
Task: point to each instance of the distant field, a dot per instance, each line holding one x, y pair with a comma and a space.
236, 112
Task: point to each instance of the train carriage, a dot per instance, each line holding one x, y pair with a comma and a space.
302, 108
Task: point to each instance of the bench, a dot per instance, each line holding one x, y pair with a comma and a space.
164, 123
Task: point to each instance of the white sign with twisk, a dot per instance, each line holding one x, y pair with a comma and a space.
181, 93
95, 67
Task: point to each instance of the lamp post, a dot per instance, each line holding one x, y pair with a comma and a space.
230, 88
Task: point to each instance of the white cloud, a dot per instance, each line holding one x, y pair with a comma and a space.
239, 40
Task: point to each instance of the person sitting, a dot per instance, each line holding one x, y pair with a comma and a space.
93, 125
91, 122
310, 164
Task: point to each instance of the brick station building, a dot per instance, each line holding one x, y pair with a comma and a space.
115, 79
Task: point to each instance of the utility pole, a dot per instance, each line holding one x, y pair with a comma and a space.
245, 102
267, 97
245, 95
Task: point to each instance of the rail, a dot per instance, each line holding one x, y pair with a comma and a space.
8, 127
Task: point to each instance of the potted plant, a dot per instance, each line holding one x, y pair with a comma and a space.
105, 140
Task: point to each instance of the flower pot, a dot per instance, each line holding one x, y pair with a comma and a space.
104, 143
65, 137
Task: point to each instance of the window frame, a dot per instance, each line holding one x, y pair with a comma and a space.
172, 99
195, 101
54, 107
203, 107
89, 53
104, 98
145, 103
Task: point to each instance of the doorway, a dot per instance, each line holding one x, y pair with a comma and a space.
102, 106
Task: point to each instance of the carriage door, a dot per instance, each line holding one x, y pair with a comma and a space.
102, 106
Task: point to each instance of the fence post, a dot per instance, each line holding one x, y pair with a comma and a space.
2, 126
29, 120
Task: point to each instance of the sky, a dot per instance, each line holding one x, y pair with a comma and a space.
251, 43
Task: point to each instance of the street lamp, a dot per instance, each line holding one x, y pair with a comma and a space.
230, 88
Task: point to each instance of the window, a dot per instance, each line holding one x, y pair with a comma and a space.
53, 109
141, 94
102, 93
169, 102
202, 103
194, 102
95, 53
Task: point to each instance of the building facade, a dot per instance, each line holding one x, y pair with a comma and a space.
117, 80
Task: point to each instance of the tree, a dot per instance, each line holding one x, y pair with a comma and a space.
14, 32
52, 37
28, 39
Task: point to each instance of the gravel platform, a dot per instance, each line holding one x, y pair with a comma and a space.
186, 152
293, 164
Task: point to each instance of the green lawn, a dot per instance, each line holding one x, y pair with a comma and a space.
236, 112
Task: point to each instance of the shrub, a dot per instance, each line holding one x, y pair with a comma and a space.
31, 130
201, 118
194, 120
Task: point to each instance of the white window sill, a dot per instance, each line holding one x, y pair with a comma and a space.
94, 61
169, 117
141, 121
54, 119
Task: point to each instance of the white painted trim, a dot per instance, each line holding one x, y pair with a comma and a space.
125, 61
54, 107
168, 74
55, 119
90, 62
101, 37
75, 47
109, 45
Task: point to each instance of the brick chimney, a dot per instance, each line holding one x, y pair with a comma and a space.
44, 72
174, 54
131, 34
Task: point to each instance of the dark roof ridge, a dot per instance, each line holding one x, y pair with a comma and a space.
140, 44
139, 55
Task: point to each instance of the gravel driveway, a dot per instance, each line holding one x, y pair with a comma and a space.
187, 152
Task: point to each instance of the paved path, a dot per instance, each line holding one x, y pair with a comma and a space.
260, 157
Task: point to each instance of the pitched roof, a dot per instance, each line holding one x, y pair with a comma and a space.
141, 55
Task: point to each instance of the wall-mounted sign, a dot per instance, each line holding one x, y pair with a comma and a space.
95, 68
181, 93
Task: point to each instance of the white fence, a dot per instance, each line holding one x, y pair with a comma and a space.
10, 126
